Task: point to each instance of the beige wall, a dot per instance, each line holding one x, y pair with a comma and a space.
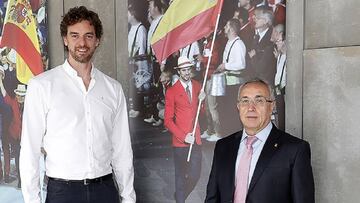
324, 90
111, 56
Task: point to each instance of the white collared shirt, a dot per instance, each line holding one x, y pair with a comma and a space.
280, 69
261, 34
152, 29
236, 56
85, 133
184, 84
257, 148
140, 39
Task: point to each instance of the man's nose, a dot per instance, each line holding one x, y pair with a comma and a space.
252, 106
82, 41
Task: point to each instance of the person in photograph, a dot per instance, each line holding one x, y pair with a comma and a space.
262, 61
78, 115
278, 38
261, 163
233, 64
181, 102
140, 75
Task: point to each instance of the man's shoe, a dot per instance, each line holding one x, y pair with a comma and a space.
157, 123
205, 134
9, 179
133, 114
150, 120
213, 138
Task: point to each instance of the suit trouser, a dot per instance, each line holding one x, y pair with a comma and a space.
6, 117
187, 174
212, 114
63, 192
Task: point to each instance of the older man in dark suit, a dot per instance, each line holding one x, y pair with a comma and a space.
261, 59
260, 164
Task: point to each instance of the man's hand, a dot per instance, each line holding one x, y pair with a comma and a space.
276, 52
202, 95
221, 68
252, 53
189, 138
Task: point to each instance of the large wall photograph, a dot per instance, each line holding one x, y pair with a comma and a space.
249, 42
23, 54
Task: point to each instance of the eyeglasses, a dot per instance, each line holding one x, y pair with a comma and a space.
257, 101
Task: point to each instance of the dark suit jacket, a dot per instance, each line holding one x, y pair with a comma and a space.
283, 173
263, 64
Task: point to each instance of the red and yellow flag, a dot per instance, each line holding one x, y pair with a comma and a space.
19, 33
184, 22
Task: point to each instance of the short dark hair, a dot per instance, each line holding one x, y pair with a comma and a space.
161, 5
78, 14
235, 25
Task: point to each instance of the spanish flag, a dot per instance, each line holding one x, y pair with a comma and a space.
184, 22
19, 33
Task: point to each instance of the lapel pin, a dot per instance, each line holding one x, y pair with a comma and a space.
276, 145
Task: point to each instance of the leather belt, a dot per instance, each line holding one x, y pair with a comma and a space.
84, 181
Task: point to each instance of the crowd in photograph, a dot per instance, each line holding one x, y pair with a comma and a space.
250, 42
13, 93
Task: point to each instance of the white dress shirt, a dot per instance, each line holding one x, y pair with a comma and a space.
85, 133
257, 148
280, 70
185, 84
261, 34
236, 56
234, 59
152, 29
140, 41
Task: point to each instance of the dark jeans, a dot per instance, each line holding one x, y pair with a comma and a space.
187, 174
63, 192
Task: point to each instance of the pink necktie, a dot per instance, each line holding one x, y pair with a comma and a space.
242, 176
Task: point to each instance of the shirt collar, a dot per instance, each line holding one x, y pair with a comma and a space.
262, 34
262, 135
185, 84
234, 39
72, 72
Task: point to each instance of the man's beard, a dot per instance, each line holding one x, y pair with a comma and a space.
82, 58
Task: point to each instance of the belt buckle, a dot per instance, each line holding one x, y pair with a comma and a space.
86, 181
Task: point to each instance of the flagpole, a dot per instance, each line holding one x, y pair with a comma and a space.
205, 78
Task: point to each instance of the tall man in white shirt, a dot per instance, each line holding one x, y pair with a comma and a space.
232, 65
79, 116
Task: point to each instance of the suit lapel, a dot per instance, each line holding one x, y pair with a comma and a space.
181, 91
270, 147
234, 152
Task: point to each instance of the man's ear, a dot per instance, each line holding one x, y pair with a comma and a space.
97, 43
65, 41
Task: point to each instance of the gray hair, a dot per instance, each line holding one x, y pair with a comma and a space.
267, 14
261, 81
